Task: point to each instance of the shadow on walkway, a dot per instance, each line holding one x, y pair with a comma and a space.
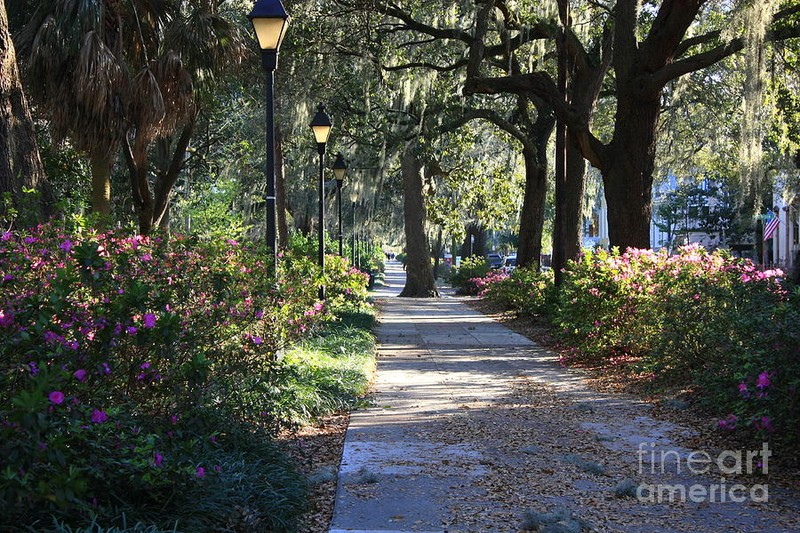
473, 425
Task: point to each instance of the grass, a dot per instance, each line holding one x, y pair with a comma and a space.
331, 372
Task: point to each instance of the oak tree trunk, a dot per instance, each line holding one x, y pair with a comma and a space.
531, 224
280, 190
419, 273
20, 164
568, 225
628, 172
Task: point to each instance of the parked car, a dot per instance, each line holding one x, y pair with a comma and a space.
510, 264
495, 260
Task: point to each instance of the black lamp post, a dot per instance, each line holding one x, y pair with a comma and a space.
270, 21
339, 170
321, 126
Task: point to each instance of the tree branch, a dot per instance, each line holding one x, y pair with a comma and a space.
490, 116
432, 66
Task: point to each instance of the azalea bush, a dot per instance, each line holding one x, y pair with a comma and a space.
697, 317
526, 290
471, 268
346, 286
142, 370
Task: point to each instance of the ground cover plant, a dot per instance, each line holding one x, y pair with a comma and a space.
143, 379
700, 320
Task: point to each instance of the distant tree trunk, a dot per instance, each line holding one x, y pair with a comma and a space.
280, 190
475, 241
136, 159
152, 204
166, 180
101, 183
437, 252
568, 226
581, 87
419, 273
20, 164
559, 259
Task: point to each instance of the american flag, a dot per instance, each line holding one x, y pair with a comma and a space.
772, 225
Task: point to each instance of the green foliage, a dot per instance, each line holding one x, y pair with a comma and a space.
138, 371
208, 211
526, 291
345, 286
470, 269
696, 318
371, 258
330, 372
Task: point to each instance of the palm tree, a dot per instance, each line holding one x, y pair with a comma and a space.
110, 74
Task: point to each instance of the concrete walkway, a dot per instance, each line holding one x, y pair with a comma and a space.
428, 456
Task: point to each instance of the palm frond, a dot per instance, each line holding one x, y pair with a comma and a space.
146, 109
207, 42
98, 75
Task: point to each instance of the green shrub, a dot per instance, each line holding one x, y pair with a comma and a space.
329, 372
132, 366
698, 318
526, 291
470, 269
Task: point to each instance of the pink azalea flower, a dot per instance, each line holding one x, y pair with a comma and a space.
56, 397
157, 459
98, 416
728, 423
200, 472
764, 424
80, 375
149, 320
6, 320
763, 380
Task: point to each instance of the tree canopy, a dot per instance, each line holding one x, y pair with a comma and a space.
165, 100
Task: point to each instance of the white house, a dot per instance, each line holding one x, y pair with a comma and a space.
780, 250
784, 242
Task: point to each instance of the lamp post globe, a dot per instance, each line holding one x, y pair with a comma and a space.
339, 171
321, 125
270, 21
